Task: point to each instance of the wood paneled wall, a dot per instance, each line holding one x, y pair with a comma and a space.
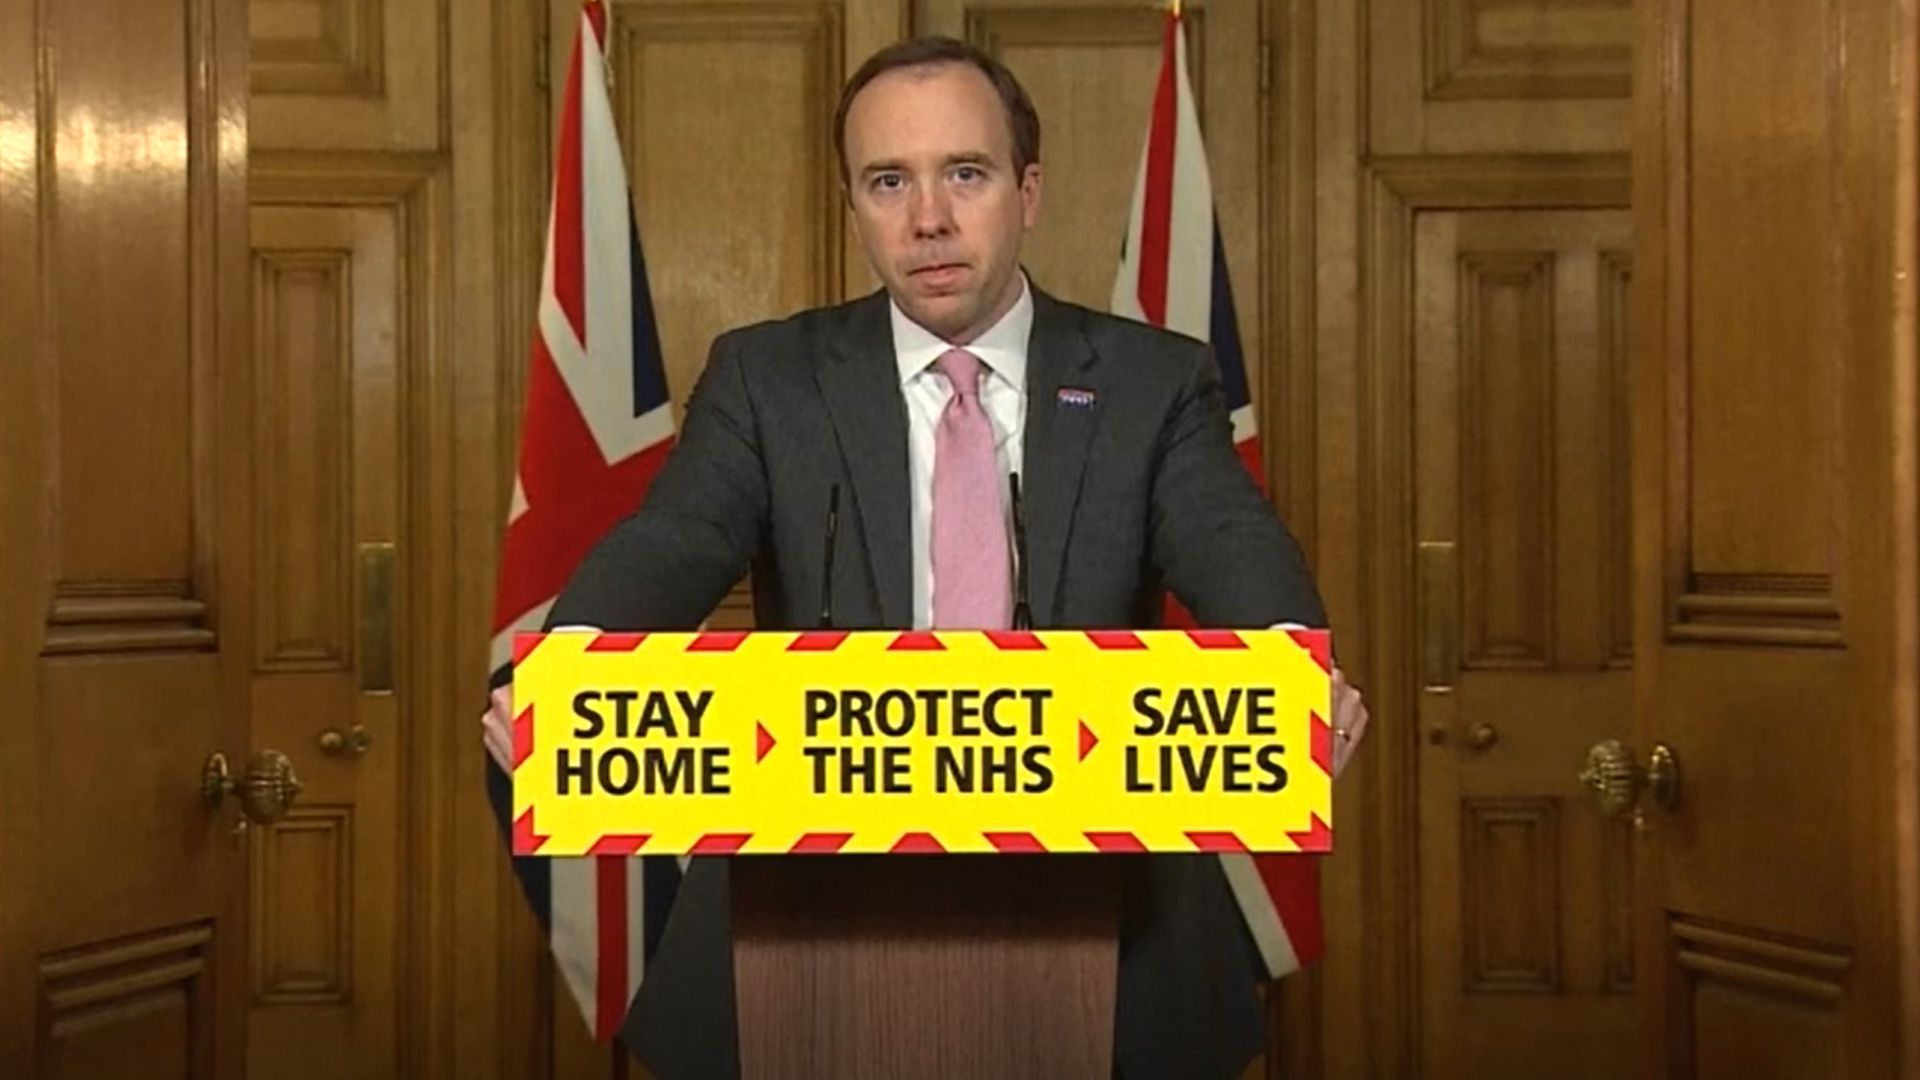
1425, 205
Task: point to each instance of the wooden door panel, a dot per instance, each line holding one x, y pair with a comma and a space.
141, 1005
1518, 401
703, 97
346, 74
1750, 457
1090, 140
122, 237
1754, 1005
1499, 76
1769, 418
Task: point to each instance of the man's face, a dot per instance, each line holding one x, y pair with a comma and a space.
934, 194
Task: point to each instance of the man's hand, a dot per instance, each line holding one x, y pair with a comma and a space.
496, 729
1349, 721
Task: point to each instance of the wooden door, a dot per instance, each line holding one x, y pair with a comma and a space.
333, 353
1468, 407
1521, 506
126, 623
1775, 558
370, 930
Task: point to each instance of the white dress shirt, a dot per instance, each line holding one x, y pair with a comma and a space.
1002, 350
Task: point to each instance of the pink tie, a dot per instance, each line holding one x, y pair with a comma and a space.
971, 577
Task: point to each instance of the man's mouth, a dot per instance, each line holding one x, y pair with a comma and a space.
938, 273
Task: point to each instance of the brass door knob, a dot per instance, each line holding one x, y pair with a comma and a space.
346, 743
1616, 779
266, 790
1483, 736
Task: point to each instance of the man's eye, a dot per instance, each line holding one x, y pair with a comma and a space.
967, 174
888, 182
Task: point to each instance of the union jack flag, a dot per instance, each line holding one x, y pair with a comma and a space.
1173, 273
596, 427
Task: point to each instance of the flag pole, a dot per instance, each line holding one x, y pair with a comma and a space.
1173, 8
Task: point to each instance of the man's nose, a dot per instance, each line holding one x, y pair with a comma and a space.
932, 211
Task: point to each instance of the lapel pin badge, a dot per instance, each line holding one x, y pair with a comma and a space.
1073, 397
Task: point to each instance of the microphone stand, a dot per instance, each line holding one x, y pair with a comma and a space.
826, 570
1022, 614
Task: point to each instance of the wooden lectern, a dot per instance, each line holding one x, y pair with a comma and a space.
991, 966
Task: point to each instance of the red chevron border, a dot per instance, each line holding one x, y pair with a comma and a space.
620, 844
1318, 837
524, 644
526, 839
1219, 843
820, 843
616, 643
522, 737
720, 641
819, 641
1318, 644
1322, 742
1217, 639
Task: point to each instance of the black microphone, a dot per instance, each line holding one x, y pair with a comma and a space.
826, 569
1022, 616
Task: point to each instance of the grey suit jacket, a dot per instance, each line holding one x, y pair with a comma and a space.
1137, 493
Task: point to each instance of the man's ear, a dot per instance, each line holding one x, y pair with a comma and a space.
1031, 181
853, 213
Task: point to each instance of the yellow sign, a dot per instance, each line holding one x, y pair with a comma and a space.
882, 741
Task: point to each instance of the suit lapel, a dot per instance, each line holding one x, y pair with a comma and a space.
1055, 449
861, 385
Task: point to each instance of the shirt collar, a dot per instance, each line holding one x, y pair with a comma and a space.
1002, 348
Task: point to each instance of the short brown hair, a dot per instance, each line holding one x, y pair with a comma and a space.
1022, 120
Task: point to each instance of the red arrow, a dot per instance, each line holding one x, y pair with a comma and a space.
763, 742
1088, 740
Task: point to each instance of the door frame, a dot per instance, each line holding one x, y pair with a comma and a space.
414, 188
1378, 875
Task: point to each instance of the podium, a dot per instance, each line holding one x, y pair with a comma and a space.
870, 967
774, 749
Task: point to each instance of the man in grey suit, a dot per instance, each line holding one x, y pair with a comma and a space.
915, 403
